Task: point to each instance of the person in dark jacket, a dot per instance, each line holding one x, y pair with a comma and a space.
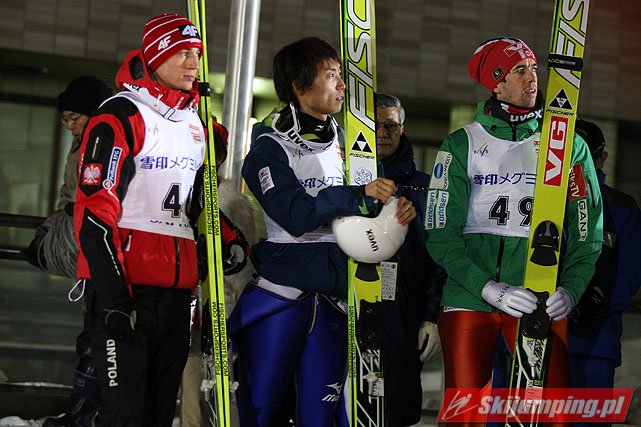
54, 249
411, 303
596, 323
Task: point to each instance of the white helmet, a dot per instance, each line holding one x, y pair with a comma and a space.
370, 240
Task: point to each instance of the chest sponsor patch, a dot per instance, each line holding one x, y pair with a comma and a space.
440, 179
577, 188
91, 174
265, 179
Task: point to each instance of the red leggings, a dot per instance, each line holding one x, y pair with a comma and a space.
469, 340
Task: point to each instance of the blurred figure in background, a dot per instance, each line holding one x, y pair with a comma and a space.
596, 323
54, 248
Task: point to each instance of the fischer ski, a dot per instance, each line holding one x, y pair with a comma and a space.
216, 384
365, 333
531, 352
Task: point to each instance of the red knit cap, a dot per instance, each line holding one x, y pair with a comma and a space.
494, 58
165, 35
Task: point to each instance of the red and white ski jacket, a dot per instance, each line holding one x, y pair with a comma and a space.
138, 159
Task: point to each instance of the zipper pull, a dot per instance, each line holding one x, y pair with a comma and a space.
95, 147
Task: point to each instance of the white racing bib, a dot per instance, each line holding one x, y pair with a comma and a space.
166, 166
502, 176
315, 171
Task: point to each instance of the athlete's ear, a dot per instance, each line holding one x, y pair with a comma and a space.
497, 89
296, 90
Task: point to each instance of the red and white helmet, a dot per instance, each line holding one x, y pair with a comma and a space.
371, 240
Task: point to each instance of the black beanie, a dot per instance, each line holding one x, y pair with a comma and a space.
83, 95
592, 134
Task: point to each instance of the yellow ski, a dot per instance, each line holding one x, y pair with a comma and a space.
531, 352
209, 246
365, 370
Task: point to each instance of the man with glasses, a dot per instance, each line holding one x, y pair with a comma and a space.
411, 306
76, 103
478, 221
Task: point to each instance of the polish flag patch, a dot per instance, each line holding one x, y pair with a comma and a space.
91, 174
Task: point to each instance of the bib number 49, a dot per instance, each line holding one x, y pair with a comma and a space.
500, 210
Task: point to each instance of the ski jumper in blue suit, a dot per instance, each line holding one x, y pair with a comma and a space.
290, 322
596, 324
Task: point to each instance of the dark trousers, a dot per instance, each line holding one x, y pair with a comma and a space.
139, 377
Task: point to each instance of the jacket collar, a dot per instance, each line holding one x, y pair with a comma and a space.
134, 76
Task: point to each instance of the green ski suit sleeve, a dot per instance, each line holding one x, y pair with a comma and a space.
447, 245
583, 231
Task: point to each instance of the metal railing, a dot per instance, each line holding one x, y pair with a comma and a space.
17, 221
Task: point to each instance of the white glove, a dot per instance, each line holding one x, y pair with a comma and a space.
511, 299
429, 343
560, 304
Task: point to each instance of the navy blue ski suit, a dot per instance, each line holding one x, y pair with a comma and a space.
291, 322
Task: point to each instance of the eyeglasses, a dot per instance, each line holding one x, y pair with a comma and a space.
389, 126
70, 120
520, 69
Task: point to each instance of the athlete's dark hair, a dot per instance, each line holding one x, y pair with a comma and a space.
297, 65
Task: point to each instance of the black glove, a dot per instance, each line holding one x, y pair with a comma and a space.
69, 208
34, 253
593, 301
120, 321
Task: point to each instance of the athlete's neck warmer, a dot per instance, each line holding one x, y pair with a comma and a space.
513, 113
172, 104
306, 131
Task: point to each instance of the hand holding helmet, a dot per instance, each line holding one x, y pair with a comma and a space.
373, 240
405, 211
381, 189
